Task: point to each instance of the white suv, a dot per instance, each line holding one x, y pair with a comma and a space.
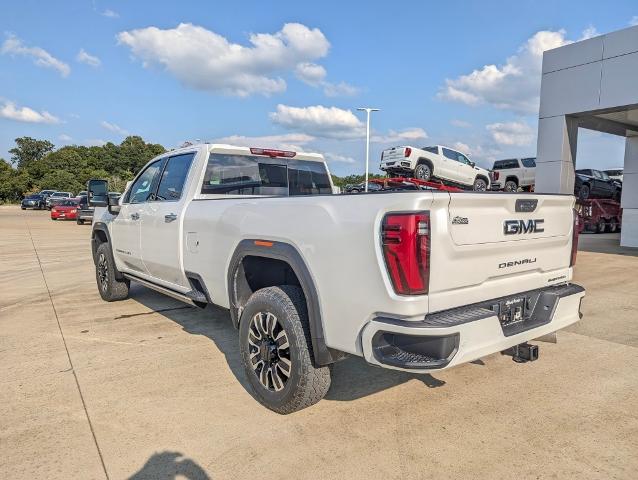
437, 161
514, 173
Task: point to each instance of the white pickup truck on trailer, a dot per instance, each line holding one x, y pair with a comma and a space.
419, 280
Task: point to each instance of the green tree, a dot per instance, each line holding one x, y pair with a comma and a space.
28, 150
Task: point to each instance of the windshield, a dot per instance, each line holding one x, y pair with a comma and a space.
60, 194
256, 175
35, 197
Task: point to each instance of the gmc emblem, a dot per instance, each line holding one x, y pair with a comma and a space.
516, 227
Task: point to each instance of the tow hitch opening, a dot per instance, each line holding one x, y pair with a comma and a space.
523, 352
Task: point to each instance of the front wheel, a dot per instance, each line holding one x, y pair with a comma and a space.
111, 289
480, 185
601, 226
423, 172
583, 193
276, 350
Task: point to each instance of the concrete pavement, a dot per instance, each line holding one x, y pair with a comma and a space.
151, 388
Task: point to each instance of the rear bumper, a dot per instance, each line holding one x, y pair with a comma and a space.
85, 214
396, 167
444, 339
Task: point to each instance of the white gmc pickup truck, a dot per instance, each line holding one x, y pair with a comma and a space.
419, 280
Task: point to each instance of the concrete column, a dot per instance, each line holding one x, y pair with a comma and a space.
556, 154
629, 202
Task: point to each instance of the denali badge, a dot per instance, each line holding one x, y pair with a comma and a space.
460, 220
514, 227
517, 262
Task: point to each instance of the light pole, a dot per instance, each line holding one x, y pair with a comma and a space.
367, 110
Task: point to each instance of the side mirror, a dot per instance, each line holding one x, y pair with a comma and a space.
97, 192
114, 204
472, 164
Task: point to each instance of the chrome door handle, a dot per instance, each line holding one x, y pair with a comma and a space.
135, 216
171, 217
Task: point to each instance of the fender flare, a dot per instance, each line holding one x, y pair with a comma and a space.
289, 254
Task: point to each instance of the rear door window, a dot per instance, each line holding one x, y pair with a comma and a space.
529, 162
174, 177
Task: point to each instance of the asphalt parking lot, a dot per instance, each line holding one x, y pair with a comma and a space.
151, 388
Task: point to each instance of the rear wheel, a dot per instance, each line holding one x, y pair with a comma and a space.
480, 185
612, 227
511, 186
111, 289
276, 351
601, 226
23, 208
79, 221
583, 193
423, 172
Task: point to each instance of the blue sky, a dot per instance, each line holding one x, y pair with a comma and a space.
291, 74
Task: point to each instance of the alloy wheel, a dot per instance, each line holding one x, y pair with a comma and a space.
103, 272
269, 351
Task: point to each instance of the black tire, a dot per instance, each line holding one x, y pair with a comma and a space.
612, 226
423, 171
510, 186
109, 287
23, 208
601, 226
354, 190
79, 221
583, 193
480, 185
296, 383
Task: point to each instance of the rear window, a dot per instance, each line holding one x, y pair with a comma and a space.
505, 164
255, 175
68, 203
432, 149
529, 162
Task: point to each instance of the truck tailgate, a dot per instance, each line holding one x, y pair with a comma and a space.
489, 245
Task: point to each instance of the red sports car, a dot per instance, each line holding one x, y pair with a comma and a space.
65, 210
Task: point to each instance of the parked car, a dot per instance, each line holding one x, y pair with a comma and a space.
361, 187
35, 201
81, 193
57, 197
591, 183
65, 209
47, 193
615, 173
85, 211
444, 163
514, 174
427, 279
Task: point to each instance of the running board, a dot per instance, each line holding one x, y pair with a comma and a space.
197, 299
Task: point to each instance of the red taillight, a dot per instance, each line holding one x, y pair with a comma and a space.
495, 175
272, 153
575, 233
407, 152
405, 240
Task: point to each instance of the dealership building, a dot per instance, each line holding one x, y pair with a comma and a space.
590, 84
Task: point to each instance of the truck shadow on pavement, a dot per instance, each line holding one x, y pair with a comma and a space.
352, 378
169, 466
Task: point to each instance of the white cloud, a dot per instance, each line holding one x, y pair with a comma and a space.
112, 127
320, 121
10, 111
341, 89
511, 133
460, 123
95, 142
310, 73
14, 46
336, 158
634, 20
514, 85
205, 60
84, 57
408, 135
65, 138
288, 141
110, 13
589, 32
